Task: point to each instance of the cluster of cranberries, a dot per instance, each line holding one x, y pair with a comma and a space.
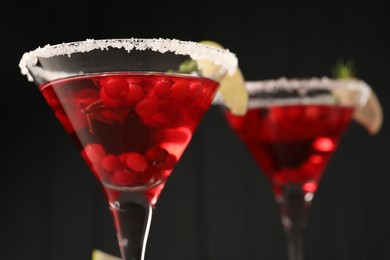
159, 101
302, 122
149, 106
130, 168
156, 103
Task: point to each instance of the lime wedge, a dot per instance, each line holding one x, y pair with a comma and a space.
232, 87
100, 255
370, 115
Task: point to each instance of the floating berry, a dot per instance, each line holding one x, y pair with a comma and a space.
313, 170
156, 155
180, 91
151, 175
324, 144
294, 113
310, 186
312, 112
275, 115
115, 87
136, 93
123, 177
162, 89
110, 102
94, 152
134, 80
111, 163
147, 107
122, 158
195, 90
136, 162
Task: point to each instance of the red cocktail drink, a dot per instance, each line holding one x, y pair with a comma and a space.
131, 106
130, 128
292, 143
292, 128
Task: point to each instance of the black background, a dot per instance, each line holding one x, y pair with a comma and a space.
217, 205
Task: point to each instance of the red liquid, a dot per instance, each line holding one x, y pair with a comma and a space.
130, 128
292, 144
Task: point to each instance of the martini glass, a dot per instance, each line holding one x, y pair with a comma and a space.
131, 107
292, 128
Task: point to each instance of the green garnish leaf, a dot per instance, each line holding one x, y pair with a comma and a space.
343, 69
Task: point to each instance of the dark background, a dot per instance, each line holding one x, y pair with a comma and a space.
217, 205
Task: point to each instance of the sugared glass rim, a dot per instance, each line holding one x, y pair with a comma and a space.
301, 86
196, 51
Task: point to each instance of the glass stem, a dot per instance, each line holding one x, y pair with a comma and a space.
294, 211
132, 214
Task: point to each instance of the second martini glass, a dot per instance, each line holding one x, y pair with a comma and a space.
292, 128
131, 106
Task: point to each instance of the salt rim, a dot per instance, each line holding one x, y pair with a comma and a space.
195, 51
307, 84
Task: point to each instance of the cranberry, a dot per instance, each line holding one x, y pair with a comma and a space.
147, 107
156, 155
110, 102
294, 113
195, 90
324, 144
310, 187
312, 112
162, 89
152, 174
94, 152
135, 94
122, 158
275, 115
115, 87
111, 163
180, 91
134, 80
123, 177
313, 170
136, 162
